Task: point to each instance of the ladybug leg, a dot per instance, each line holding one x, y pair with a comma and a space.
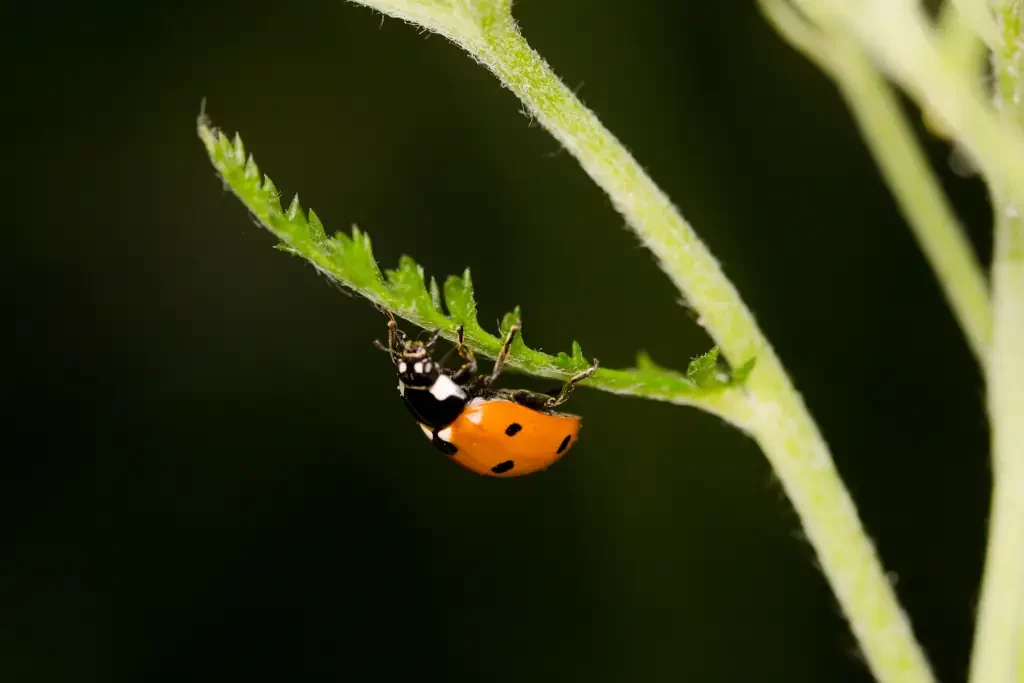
525, 397
395, 336
499, 362
433, 338
567, 388
468, 369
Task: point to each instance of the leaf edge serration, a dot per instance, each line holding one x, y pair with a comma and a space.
406, 290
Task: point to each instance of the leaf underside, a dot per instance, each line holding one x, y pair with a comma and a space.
348, 261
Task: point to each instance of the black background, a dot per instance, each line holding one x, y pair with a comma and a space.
209, 475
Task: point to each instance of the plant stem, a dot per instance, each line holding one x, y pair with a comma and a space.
906, 170
781, 423
975, 14
925, 206
999, 638
901, 38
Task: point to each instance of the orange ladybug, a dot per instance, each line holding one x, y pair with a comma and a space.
498, 433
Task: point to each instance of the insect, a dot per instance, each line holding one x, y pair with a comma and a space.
494, 432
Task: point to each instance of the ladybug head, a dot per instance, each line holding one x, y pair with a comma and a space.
412, 358
414, 364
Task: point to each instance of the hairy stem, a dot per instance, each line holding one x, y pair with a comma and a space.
999, 639
782, 424
780, 421
891, 141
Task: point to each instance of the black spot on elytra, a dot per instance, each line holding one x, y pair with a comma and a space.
513, 429
503, 467
444, 446
564, 444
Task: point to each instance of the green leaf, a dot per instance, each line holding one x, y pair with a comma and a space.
645, 362
458, 294
703, 370
348, 260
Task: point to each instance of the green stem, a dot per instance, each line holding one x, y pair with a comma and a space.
780, 421
925, 206
902, 39
959, 42
781, 424
892, 142
975, 15
999, 639
681, 254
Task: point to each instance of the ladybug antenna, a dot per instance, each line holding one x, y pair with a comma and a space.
384, 347
433, 339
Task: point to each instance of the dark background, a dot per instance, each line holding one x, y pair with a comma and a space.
208, 473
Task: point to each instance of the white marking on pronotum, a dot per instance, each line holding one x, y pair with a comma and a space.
443, 387
426, 366
474, 413
402, 367
418, 368
445, 434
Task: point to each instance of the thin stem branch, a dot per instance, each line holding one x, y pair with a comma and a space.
999, 639
893, 144
901, 38
780, 422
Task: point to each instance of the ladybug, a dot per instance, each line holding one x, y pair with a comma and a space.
498, 433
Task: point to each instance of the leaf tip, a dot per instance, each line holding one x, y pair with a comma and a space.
251, 170
238, 149
740, 374
294, 208
577, 351
644, 361
435, 295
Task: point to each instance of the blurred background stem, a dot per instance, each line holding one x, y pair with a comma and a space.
904, 166
903, 41
999, 638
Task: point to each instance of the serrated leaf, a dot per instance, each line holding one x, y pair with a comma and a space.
576, 362
702, 369
511, 318
239, 149
645, 362
367, 262
349, 261
458, 296
294, 211
316, 229
407, 280
577, 353
270, 196
251, 171
435, 295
